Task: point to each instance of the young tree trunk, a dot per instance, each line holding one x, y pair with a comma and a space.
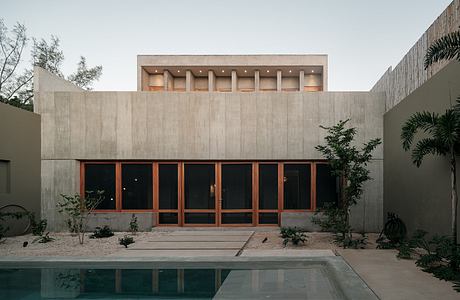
454, 197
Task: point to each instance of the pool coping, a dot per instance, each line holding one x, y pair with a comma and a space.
349, 282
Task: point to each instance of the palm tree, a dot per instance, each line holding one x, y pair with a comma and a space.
443, 138
444, 48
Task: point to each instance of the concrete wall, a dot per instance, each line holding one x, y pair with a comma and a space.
202, 126
421, 196
19, 159
410, 74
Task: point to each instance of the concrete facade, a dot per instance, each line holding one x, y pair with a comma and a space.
19, 161
420, 196
80, 125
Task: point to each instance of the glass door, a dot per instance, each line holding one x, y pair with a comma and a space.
236, 194
199, 194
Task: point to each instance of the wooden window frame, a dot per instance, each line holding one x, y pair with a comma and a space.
218, 211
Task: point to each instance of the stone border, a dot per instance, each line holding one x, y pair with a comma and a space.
351, 285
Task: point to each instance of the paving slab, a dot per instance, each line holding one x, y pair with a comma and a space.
186, 245
199, 238
287, 252
396, 279
175, 253
211, 233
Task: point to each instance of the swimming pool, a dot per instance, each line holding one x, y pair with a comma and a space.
193, 278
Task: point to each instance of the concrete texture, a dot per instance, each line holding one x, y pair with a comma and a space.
185, 245
19, 162
119, 221
420, 196
176, 253
410, 73
392, 278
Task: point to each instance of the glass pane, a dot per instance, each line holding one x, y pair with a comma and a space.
167, 186
200, 186
268, 186
297, 186
167, 218
136, 281
136, 182
236, 218
200, 218
268, 218
101, 177
236, 186
327, 186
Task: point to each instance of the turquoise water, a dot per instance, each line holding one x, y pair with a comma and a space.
308, 283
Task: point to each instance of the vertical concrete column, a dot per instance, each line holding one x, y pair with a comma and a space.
143, 84
211, 81
167, 79
234, 81
189, 81
301, 80
278, 80
256, 80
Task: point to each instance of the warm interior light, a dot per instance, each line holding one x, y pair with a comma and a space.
313, 71
200, 71
223, 71
245, 71
268, 71
290, 71
156, 71
178, 71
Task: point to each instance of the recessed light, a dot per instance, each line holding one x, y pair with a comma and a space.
178, 71
245, 71
223, 71
268, 71
156, 71
290, 71
313, 71
200, 71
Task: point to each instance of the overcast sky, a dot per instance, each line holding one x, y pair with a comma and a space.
362, 37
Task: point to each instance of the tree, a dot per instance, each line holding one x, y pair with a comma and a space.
16, 87
349, 164
78, 209
444, 48
443, 138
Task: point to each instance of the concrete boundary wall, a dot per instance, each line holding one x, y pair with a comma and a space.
410, 73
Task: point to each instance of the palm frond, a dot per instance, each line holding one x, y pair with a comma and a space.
419, 121
444, 48
448, 129
427, 146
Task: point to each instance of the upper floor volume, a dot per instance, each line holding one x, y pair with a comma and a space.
232, 73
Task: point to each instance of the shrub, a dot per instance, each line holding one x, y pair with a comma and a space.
133, 226
38, 228
126, 240
293, 235
43, 239
102, 232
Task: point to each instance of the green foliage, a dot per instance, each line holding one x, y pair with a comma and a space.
12, 215
349, 164
77, 209
133, 226
38, 227
293, 235
43, 239
444, 48
126, 240
102, 232
84, 76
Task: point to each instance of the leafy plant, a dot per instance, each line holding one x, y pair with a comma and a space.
43, 239
133, 226
78, 209
349, 164
38, 228
293, 235
393, 234
102, 232
126, 240
445, 48
6, 215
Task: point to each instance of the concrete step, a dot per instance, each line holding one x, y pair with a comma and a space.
186, 245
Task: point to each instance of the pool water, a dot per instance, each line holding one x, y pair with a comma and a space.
305, 283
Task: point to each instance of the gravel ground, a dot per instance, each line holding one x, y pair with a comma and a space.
67, 245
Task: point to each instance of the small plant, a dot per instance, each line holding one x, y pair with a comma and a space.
126, 240
293, 235
38, 228
102, 232
77, 210
133, 226
43, 239
393, 234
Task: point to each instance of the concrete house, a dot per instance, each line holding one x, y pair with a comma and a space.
206, 140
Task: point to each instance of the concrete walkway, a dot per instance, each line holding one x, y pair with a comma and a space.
287, 252
183, 243
393, 278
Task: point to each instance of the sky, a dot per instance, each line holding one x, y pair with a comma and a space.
361, 37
